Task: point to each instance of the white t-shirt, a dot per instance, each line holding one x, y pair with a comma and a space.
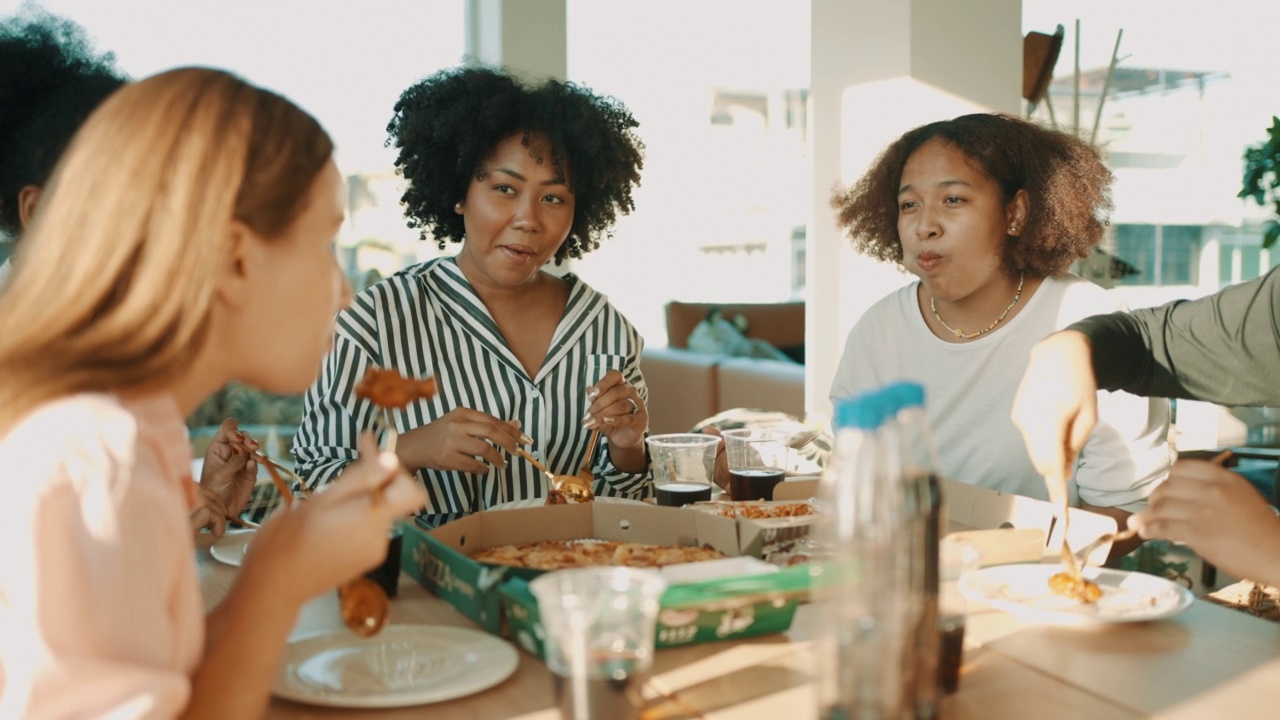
969, 390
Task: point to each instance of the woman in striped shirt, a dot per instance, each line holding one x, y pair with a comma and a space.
520, 176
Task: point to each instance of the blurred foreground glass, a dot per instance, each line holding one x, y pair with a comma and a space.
600, 625
956, 558
683, 467
758, 461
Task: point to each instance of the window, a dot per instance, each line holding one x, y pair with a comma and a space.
1163, 254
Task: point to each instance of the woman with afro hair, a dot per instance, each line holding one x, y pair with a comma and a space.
989, 212
520, 176
50, 80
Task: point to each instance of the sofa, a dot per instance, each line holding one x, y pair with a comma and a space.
687, 387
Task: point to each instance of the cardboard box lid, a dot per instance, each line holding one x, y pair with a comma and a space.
624, 522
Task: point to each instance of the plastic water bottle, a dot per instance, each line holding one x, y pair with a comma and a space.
859, 588
922, 522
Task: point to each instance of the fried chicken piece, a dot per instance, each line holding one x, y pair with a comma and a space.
387, 388
1067, 585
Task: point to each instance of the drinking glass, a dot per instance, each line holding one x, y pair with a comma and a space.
600, 624
683, 467
956, 558
758, 461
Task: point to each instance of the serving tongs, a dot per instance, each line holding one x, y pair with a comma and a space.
569, 488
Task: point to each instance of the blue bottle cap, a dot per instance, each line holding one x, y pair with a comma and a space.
866, 411
905, 394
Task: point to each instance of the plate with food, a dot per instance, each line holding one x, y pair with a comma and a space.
1040, 593
232, 547
401, 666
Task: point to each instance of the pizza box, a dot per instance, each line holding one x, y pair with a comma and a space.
695, 612
757, 536
439, 560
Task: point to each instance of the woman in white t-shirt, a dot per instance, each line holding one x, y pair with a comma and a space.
989, 212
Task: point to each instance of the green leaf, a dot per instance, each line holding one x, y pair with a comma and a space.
1271, 233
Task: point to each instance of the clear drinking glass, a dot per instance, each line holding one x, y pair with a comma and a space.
758, 461
956, 558
683, 466
600, 625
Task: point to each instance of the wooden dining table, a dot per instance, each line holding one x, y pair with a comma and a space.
1207, 662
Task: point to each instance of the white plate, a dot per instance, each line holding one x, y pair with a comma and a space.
541, 501
1023, 590
402, 665
231, 548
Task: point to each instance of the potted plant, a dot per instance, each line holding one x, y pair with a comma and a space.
1262, 178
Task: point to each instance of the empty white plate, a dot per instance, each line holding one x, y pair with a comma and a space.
231, 548
402, 665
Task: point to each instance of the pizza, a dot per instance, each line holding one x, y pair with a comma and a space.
560, 554
759, 510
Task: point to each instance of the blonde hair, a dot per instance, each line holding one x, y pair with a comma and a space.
114, 284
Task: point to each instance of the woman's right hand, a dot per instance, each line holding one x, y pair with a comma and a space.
1056, 405
311, 547
462, 439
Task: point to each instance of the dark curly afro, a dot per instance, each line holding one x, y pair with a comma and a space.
447, 125
1068, 185
50, 81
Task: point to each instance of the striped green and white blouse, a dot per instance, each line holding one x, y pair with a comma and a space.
426, 320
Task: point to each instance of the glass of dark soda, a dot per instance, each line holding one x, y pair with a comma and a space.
758, 461
388, 573
956, 558
683, 466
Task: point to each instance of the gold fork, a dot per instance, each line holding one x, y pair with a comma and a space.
1082, 555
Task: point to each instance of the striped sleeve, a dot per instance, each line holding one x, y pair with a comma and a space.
332, 417
610, 481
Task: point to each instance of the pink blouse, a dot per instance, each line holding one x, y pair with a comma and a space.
100, 610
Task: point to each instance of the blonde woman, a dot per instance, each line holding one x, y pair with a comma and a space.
184, 241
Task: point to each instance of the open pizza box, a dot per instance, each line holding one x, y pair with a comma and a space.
498, 598
759, 536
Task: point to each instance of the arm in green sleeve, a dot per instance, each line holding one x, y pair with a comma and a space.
1224, 348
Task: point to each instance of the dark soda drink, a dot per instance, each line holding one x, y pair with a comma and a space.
388, 573
951, 629
680, 493
754, 483
598, 698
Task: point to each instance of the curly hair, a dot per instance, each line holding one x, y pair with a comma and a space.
50, 81
1068, 185
447, 125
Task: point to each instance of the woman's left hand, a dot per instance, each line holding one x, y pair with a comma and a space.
229, 468
616, 408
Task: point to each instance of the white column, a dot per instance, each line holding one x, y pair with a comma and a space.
880, 68
528, 37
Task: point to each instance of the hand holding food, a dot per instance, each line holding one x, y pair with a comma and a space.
341, 531
462, 439
1056, 406
230, 469
618, 410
